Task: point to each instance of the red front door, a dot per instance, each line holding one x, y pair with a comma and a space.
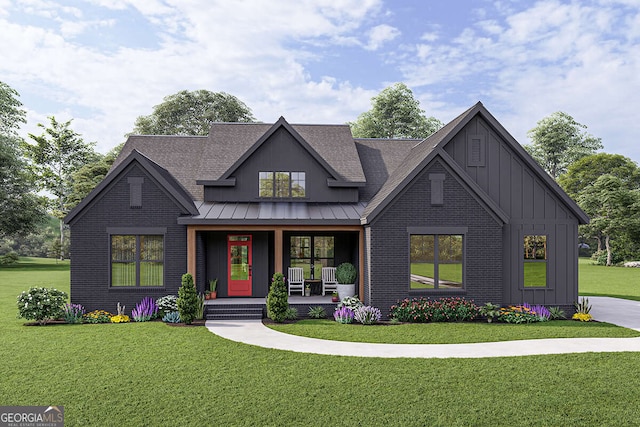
239, 266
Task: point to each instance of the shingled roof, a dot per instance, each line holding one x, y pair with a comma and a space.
209, 158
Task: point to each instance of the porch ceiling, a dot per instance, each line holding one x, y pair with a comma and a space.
276, 213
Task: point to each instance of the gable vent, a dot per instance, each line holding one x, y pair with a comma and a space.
475, 150
135, 192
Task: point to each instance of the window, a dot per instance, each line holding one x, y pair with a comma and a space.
312, 253
282, 184
137, 260
437, 261
535, 261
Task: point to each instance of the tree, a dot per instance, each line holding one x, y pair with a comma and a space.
587, 170
395, 113
614, 210
558, 141
191, 113
21, 208
277, 299
89, 176
57, 154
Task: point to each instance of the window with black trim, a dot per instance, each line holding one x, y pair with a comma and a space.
535, 261
437, 261
282, 184
137, 260
312, 253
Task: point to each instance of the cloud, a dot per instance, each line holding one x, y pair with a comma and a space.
381, 34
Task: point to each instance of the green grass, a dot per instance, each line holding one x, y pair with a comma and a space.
451, 333
620, 282
153, 374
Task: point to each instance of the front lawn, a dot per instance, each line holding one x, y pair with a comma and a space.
153, 374
451, 333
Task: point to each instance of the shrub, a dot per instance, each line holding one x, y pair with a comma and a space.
343, 315
556, 313
98, 316
600, 258
518, 314
73, 313
367, 315
41, 304
346, 273
9, 258
439, 310
490, 311
583, 317
167, 303
539, 310
187, 299
120, 318
200, 307
277, 299
583, 306
291, 313
145, 310
317, 312
351, 302
171, 317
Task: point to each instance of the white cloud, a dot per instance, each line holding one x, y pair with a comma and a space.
381, 34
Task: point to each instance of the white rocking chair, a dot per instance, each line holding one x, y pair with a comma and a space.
295, 280
329, 282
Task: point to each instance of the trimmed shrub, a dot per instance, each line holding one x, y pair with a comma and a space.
440, 310
277, 299
187, 299
41, 304
346, 273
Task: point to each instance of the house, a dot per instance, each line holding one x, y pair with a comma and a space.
466, 212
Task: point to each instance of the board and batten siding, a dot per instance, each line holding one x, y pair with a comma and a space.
532, 208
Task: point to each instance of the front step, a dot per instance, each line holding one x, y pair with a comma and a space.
230, 312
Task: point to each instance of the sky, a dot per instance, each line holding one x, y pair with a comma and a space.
103, 63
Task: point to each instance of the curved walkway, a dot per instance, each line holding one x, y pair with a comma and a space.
612, 310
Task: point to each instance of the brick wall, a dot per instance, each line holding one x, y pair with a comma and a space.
388, 239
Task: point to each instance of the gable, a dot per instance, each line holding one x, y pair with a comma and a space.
512, 180
135, 187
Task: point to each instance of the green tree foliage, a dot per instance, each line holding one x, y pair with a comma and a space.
587, 170
187, 299
21, 208
56, 155
558, 141
85, 179
395, 113
277, 299
614, 210
191, 113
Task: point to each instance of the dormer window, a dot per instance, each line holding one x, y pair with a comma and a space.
282, 185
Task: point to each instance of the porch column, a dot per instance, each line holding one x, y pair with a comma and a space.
277, 256
191, 251
361, 264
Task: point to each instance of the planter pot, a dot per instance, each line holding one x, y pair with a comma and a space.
335, 299
214, 294
346, 290
307, 292
207, 296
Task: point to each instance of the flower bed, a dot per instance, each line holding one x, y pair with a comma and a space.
424, 310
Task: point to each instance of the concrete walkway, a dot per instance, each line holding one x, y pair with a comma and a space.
612, 310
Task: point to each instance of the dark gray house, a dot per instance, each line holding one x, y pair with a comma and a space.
465, 212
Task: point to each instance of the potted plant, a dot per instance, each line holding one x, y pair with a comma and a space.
207, 294
307, 289
213, 283
490, 311
346, 278
334, 297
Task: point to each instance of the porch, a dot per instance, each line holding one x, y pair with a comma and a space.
256, 308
